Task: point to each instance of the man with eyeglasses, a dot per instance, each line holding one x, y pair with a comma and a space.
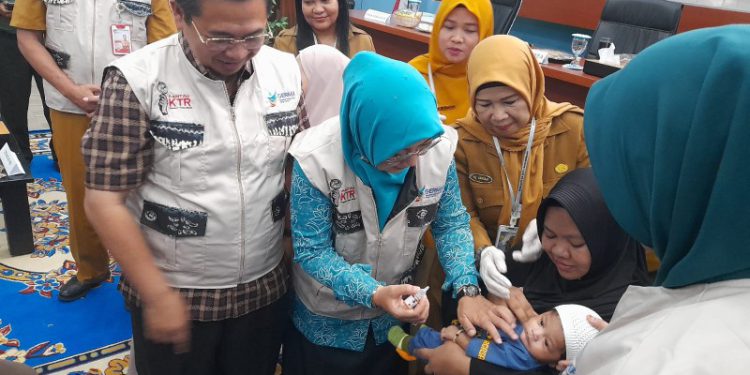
69, 42
185, 184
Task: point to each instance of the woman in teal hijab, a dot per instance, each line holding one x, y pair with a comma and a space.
668, 140
376, 126
365, 187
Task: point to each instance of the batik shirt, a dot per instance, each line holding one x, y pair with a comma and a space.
354, 284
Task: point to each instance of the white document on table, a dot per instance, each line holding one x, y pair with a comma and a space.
10, 161
373, 15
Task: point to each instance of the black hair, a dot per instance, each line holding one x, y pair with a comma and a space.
489, 85
192, 8
305, 32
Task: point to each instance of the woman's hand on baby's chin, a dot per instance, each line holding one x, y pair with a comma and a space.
597, 323
520, 306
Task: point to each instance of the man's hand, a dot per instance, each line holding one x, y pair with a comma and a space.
166, 321
447, 359
478, 311
4, 11
85, 97
391, 300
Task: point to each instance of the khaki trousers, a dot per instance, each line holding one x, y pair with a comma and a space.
90, 256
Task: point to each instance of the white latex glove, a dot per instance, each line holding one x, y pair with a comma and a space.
491, 268
532, 246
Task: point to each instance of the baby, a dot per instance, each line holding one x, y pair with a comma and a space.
557, 334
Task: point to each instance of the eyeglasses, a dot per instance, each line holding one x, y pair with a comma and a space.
222, 44
422, 149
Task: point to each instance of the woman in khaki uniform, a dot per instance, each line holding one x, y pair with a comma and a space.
323, 22
510, 117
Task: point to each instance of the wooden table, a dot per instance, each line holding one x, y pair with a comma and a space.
565, 85
396, 42
401, 43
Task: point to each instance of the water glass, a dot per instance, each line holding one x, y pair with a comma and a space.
578, 46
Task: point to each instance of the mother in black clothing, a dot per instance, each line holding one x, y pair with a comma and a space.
588, 260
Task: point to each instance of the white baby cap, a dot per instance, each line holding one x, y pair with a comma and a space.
577, 330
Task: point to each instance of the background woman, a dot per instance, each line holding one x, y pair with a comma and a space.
588, 260
513, 147
322, 69
323, 22
459, 25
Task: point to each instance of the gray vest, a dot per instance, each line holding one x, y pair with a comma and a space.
392, 252
211, 207
79, 38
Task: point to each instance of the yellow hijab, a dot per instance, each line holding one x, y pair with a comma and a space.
450, 79
510, 61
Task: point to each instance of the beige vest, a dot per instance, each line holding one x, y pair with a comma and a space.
208, 207
79, 38
392, 252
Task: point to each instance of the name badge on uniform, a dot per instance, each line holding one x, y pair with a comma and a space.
120, 39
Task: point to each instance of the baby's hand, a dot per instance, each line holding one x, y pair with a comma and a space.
448, 333
561, 365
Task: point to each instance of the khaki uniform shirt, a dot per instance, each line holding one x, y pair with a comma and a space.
564, 150
359, 40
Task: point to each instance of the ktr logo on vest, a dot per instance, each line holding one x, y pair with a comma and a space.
339, 195
169, 101
348, 194
179, 101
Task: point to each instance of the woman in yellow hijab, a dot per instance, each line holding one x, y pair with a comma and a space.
459, 25
514, 145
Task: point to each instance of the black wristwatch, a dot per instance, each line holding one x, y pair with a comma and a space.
468, 291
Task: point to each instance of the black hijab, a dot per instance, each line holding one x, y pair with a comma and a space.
617, 260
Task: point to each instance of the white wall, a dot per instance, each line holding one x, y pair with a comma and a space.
737, 5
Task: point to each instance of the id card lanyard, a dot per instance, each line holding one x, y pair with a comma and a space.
120, 35
432, 88
506, 233
432, 80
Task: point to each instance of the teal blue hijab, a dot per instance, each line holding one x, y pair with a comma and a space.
669, 141
386, 107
